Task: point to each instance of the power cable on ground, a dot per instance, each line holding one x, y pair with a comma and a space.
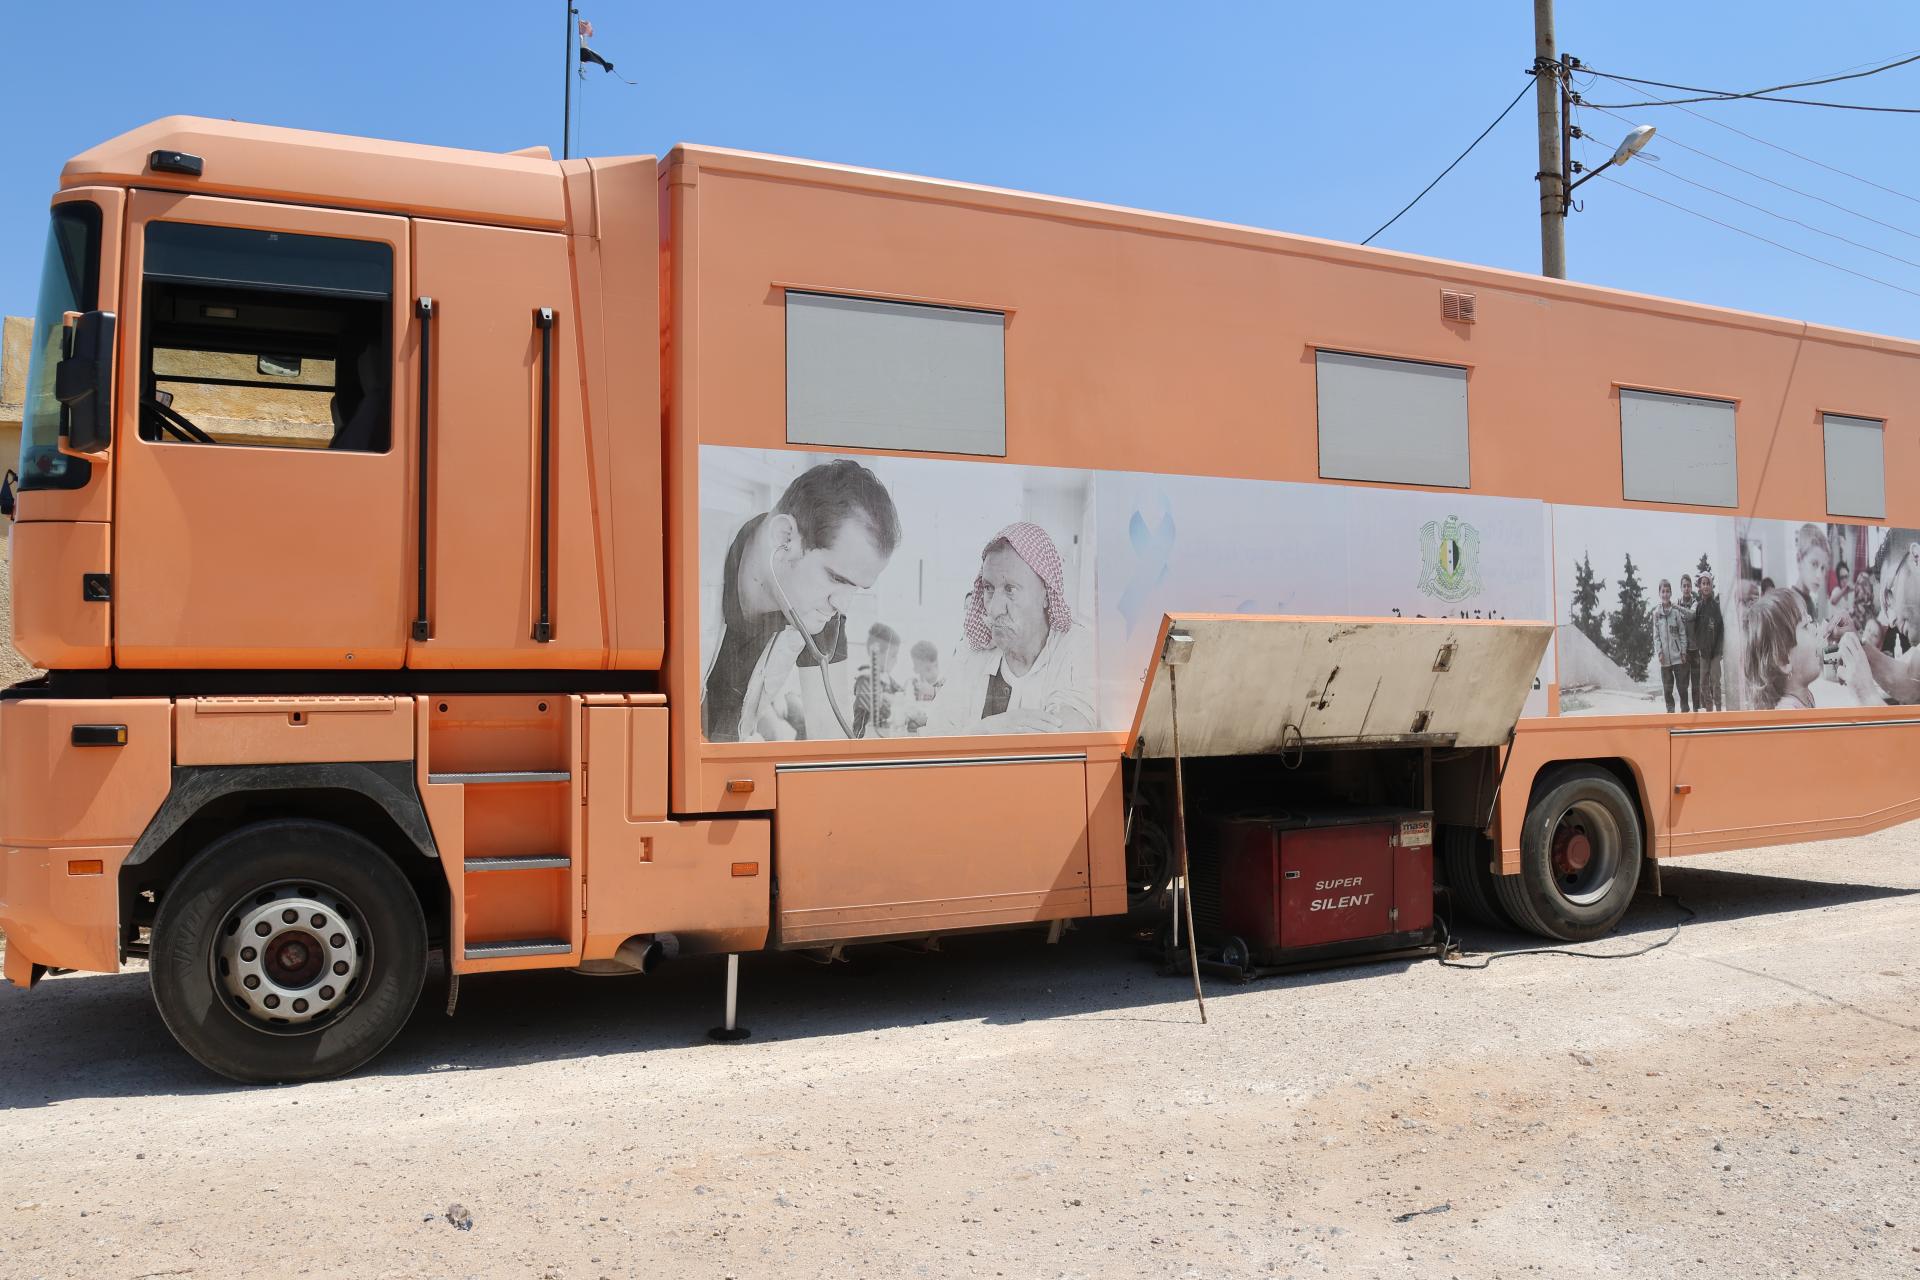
1448, 945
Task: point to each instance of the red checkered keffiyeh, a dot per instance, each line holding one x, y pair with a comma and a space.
1031, 543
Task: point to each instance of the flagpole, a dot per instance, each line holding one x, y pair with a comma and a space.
566, 75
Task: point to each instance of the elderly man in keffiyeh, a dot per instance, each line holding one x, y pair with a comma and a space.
1027, 665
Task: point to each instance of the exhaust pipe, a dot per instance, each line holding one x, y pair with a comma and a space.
642, 953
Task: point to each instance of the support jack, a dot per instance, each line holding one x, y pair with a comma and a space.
731, 1033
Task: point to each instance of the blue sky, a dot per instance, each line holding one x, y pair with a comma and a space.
1287, 115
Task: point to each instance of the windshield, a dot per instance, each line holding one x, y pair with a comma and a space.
69, 281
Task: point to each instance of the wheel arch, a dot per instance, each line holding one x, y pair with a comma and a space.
378, 801
1621, 769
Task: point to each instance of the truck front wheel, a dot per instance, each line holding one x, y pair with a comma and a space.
1579, 856
287, 950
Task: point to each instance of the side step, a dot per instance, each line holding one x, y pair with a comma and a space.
525, 862
525, 947
521, 775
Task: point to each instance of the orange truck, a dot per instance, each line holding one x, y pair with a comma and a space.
584, 564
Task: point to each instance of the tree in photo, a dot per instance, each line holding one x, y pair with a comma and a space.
1702, 567
1587, 615
1632, 625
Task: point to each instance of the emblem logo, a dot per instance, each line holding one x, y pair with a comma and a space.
1450, 559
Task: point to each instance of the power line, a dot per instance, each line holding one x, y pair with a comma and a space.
1832, 204
1765, 95
1456, 160
1753, 235
1821, 164
1805, 226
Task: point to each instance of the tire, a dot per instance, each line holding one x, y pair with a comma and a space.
1465, 857
1579, 856
1149, 864
353, 914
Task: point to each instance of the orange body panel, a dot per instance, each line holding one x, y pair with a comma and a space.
1106, 832
1844, 780
620, 306
647, 876
59, 804
55, 626
872, 852
324, 169
292, 730
487, 283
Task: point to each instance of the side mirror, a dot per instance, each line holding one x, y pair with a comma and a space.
83, 383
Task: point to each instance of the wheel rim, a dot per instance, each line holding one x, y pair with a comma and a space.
291, 957
1586, 854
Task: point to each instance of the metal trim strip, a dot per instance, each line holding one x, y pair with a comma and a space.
822, 766
1791, 728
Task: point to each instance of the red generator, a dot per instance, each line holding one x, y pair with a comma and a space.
1278, 890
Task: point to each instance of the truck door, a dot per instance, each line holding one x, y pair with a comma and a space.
501, 347
261, 501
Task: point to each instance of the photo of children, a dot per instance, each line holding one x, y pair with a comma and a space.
1827, 614
818, 573
1643, 623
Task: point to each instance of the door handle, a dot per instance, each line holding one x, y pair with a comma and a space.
543, 623
422, 628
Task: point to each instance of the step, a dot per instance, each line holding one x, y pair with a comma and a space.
524, 862
521, 947
504, 776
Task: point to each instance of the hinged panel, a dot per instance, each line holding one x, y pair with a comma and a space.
1254, 685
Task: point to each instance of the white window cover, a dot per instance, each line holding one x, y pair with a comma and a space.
1856, 467
867, 374
1396, 421
1677, 449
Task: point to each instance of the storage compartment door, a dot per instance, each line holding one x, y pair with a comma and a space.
504, 334
867, 850
1252, 685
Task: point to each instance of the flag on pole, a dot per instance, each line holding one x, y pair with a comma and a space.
588, 55
586, 29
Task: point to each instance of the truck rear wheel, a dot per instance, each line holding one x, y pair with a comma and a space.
1579, 856
1464, 856
288, 950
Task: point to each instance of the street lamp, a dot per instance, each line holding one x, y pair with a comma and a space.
1639, 136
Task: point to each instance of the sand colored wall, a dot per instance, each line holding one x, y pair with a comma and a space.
16, 338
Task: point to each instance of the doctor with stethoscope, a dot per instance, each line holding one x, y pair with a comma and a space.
785, 584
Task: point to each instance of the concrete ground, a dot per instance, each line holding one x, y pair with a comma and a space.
1744, 1102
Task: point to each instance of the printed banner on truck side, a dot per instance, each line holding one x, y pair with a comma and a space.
898, 597
1203, 544
1673, 612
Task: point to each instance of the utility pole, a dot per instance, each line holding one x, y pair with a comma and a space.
1553, 183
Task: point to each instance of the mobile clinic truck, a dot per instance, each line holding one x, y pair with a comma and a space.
584, 564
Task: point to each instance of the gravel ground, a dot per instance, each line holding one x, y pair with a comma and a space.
1743, 1102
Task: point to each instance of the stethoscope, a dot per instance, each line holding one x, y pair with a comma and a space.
819, 659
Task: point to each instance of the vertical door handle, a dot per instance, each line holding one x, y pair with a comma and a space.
422, 628
543, 622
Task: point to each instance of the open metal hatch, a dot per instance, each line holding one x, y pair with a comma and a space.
1255, 685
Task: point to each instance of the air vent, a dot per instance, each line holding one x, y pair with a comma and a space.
1456, 306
